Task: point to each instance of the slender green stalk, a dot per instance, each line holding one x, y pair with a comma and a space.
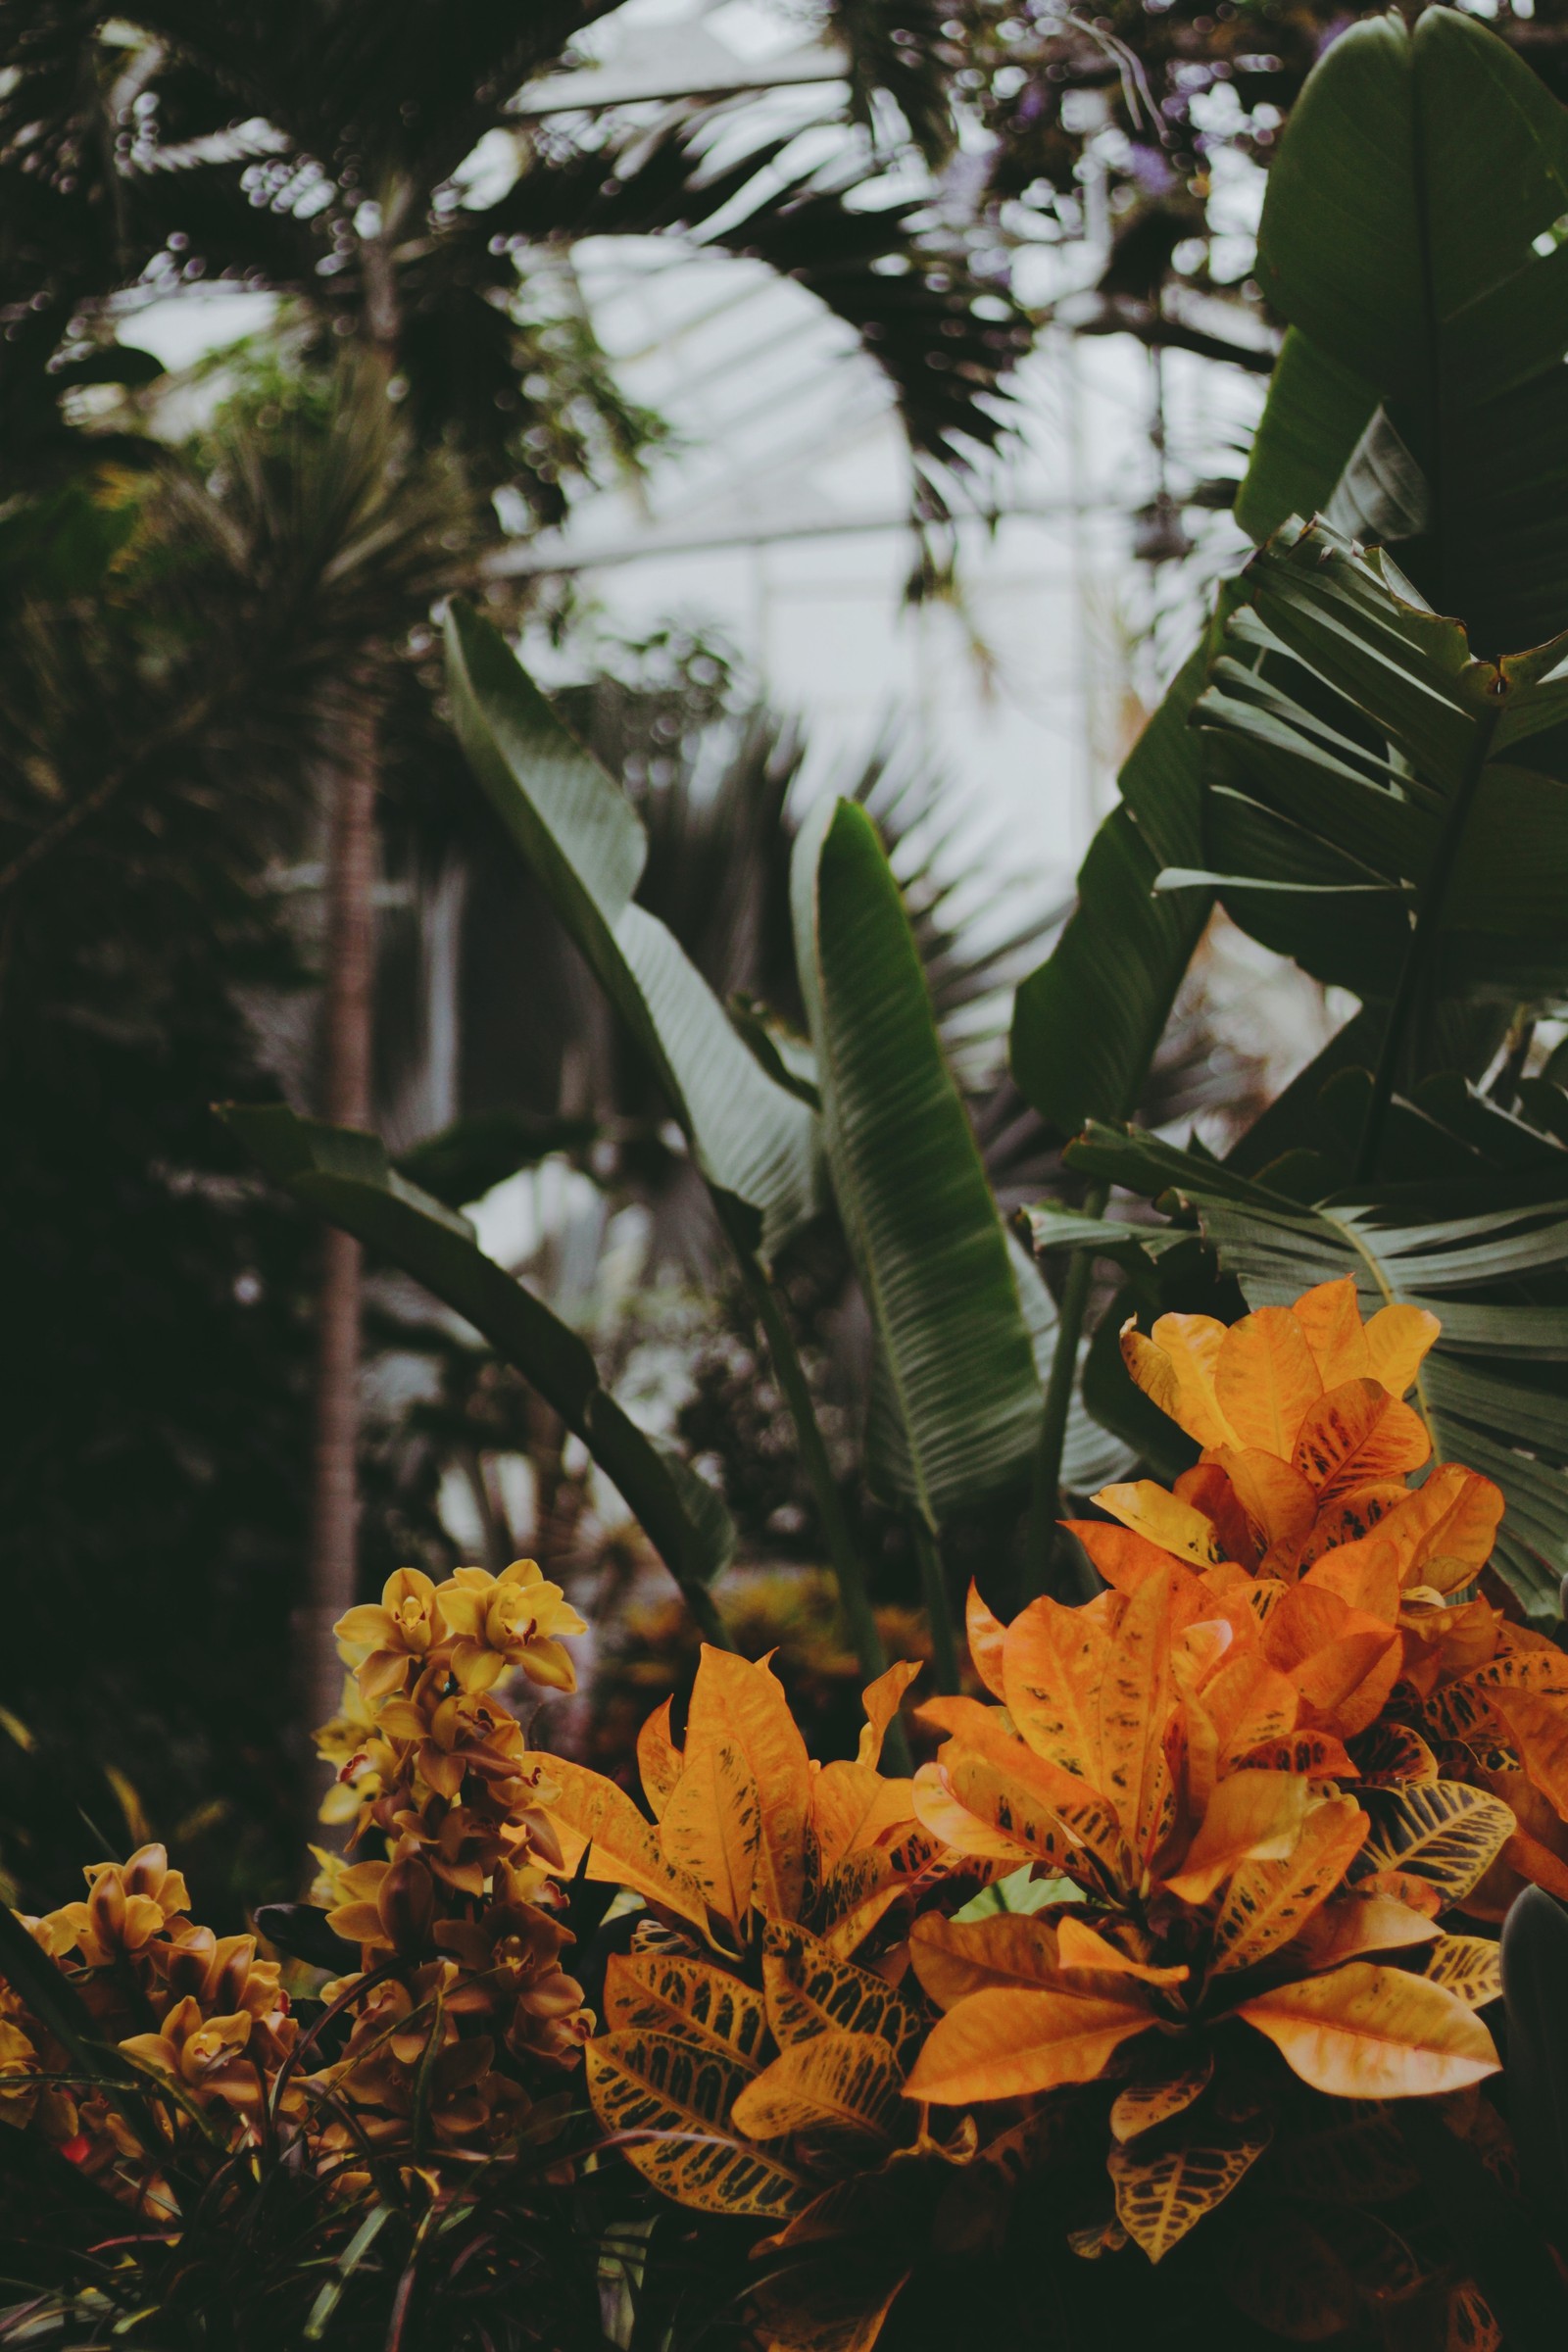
1046, 1500
854, 1593
705, 1614
1504, 1088
938, 1607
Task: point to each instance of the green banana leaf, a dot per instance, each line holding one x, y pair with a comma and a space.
1410, 235
753, 1138
345, 1177
955, 1409
1317, 410
1087, 1022
1487, 1255
1396, 791
463, 1161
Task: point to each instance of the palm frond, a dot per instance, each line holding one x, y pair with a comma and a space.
1382, 806
945, 339
901, 48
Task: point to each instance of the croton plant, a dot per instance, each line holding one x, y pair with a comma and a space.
1153, 1960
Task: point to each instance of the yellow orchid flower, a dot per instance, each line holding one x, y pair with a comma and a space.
379, 1638
512, 1619
195, 2049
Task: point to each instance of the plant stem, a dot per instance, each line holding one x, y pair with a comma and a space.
848, 1568
1045, 1499
1423, 944
704, 1611
1504, 1088
938, 1607
350, 957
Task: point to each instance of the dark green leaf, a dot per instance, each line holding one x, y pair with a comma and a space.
1316, 413
1443, 792
465, 1160
345, 1177
1088, 1020
1410, 236
961, 1389
754, 1139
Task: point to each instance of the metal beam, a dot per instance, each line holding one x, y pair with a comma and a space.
529, 560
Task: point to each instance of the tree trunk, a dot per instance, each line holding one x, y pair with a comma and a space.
350, 963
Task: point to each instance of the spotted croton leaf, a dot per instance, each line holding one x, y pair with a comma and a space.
665, 1992
810, 1990
1443, 1832
667, 2101
1162, 2193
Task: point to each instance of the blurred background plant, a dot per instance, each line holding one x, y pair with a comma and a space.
217, 697
216, 579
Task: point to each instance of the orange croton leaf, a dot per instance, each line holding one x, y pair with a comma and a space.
1342, 1660
1331, 1317
1266, 1379
1371, 2033
1007, 2043
1365, 1574
1165, 2191
1403, 1887
658, 1760
1079, 1946
740, 1705
987, 1637
592, 1815
1537, 1726
672, 2100
1248, 1701
837, 2082
1452, 1519
959, 1718
1150, 1511
947, 1817
1252, 1817
955, 1958
1153, 2100
1127, 1560
1208, 1487
1134, 1700
1175, 1367
852, 1806
881, 1701
1052, 1661
1361, 1919
1350, 1516
1267, 1904
1358, 1435
1021, 1806
1319, 1755
810, 1990
1280, 1503
1397, 1340
712, 1827
1345, 1684
1389, 1754
866, 1883
1524, 1668
1055, 1803
667, 1992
